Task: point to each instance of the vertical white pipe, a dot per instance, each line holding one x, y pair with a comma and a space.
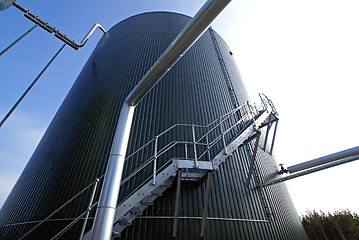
105, 213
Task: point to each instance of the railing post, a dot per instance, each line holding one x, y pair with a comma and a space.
89, 208
264, 103
208, 148
155, 161
251, 113
222, 133
194, 146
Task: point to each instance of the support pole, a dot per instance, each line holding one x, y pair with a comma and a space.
266, 137
155, 161
208, 149
31, 85
251, 167
205, 208
194, 146
18, 40
273, 139
223, 137
178, 193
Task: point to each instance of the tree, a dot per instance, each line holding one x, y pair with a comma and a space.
342, 225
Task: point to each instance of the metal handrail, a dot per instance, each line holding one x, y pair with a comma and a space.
224, 118
213, 126
58, 209
172, 144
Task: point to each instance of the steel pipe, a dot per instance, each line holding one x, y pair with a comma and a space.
323, 160
102, 228
188, 36
312, 170
208, 218
51, 29
104, 218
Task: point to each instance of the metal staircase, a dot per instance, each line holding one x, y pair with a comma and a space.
204, 149
226, 135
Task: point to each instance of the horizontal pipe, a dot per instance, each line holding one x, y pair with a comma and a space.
208, 218
312, 170
323, 160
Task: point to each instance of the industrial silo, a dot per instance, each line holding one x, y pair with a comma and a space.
203, 86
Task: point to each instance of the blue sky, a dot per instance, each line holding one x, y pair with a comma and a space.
302, 54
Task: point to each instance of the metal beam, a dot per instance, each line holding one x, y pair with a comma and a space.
273, 138
253, 157
205, 207
43, 24
266, 137
178, 193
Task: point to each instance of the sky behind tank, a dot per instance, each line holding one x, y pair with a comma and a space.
304, 55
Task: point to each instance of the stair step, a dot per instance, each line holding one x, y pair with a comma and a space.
138, 209
193, 175
148, 200
125, 221
168, 183
158, 191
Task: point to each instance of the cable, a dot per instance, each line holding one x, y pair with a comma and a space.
31, 85
17, 40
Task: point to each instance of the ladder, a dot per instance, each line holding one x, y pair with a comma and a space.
224, 69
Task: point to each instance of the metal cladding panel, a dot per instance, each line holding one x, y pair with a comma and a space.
74, 149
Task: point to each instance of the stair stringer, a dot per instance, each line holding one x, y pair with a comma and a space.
241, 138
134, 205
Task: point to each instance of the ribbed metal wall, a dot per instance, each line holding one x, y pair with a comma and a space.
74, 149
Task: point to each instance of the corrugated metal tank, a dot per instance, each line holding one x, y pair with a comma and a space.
74, 149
